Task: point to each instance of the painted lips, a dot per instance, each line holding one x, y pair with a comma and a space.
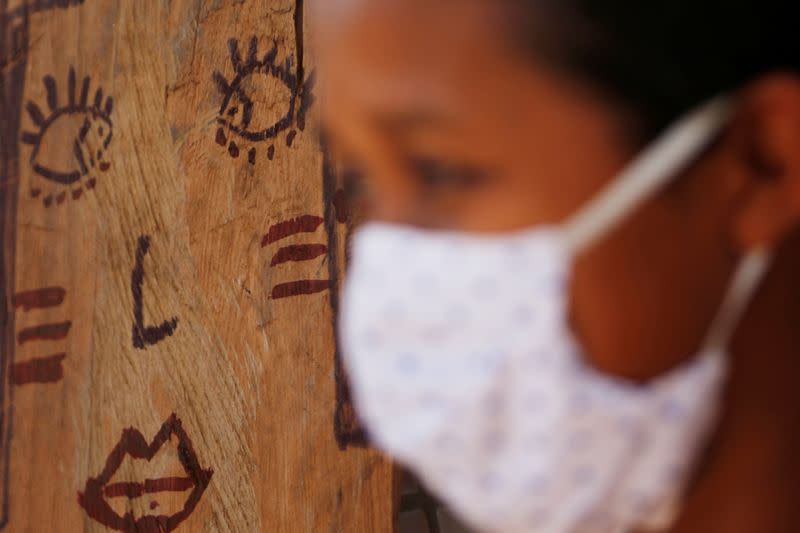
94, 498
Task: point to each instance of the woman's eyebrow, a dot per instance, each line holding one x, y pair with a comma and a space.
402, 123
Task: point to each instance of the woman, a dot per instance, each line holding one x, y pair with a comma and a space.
573, 306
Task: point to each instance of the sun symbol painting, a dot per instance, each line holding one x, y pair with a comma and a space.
71, 142
263, 99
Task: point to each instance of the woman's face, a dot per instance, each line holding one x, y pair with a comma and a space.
453, 129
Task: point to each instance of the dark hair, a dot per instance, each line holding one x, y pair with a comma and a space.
659, 58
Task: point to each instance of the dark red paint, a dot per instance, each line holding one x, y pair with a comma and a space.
44, 5
299, 252
94, 497
39, 370
134, 490
45, 332
340, 204
282, 230
299, 288
221, 139
40, 298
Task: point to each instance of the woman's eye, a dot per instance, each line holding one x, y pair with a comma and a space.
435, 173
353, 180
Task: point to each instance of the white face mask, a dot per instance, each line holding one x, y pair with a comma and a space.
464, 368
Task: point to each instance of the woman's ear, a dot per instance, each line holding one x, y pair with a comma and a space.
768, 139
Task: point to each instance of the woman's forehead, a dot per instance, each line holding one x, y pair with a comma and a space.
408, 49
339, 11
390, 26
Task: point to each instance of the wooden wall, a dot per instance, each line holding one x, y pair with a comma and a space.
173, 242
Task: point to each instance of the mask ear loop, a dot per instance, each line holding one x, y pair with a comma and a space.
648, 173
746, 280
656, 167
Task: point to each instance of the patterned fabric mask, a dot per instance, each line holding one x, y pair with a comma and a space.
464, 367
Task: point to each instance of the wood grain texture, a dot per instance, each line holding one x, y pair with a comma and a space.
147, 149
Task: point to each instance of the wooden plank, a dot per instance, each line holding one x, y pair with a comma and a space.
174, 367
